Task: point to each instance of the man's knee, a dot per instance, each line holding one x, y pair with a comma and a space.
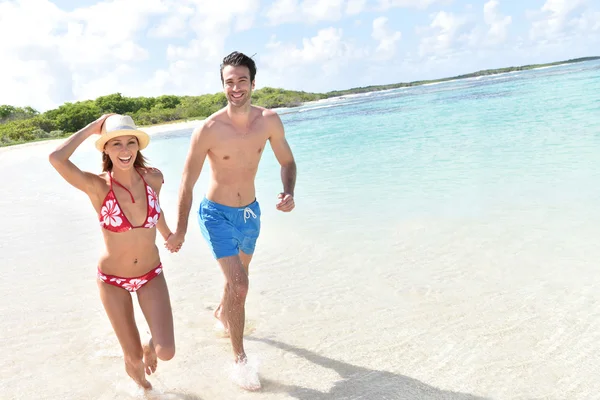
239, 285
238, 281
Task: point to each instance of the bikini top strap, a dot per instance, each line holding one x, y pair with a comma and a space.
141, 176
117, 182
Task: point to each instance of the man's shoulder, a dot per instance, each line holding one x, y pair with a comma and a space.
212, 120
205, 126
265, 112
271, 117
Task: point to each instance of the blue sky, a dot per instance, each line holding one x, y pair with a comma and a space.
64, 50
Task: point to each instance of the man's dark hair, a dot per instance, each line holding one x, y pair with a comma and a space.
237, 59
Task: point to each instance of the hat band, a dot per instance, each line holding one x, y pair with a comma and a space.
122, 127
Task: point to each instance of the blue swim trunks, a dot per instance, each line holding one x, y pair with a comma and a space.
229, 229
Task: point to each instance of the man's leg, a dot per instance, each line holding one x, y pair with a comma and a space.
233, 311
234, 299
245, 259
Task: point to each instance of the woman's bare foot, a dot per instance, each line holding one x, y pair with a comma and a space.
150, 359
136, 371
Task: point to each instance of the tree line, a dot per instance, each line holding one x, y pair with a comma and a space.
25, 124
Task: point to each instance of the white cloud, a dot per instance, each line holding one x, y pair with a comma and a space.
443, 34
355, 7
320, 59
98, 50
283, 11
312, 11
418, 4
174, 25
552, 20
192, 68
326, 48
587, 22
62, 54
322, 10
386, 48
451, 35
498, 24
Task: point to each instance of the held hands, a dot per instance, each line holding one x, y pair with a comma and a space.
174, 242
286, 202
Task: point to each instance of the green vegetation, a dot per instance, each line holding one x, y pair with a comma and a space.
20, 125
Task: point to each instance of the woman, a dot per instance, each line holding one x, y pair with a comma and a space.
125, 196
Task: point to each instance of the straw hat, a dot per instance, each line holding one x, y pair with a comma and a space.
120, 125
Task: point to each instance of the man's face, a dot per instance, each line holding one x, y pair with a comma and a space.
237, 85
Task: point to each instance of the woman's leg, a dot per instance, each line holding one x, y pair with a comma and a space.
119, 308
154, 301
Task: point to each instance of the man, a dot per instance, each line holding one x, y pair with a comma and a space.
234, 139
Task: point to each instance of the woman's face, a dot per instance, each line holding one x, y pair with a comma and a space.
122, 151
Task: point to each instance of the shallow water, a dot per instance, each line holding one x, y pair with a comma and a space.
443, 247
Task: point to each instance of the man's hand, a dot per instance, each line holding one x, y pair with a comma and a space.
174, 242
286, 202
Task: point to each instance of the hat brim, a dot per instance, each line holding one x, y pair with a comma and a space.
143, 138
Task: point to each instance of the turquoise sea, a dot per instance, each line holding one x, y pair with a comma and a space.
444, 246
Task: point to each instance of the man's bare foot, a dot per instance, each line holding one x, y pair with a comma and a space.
221, 324
150, 359
245, 376
136, 372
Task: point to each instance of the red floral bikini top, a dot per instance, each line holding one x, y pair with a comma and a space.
112, 218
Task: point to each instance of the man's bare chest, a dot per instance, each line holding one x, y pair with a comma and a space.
240, 146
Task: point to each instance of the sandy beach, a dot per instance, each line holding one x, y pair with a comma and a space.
444, 246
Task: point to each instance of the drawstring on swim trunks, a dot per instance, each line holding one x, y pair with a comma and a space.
248, 213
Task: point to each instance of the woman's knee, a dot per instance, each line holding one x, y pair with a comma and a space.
165, 352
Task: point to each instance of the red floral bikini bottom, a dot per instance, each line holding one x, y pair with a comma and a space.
131, 284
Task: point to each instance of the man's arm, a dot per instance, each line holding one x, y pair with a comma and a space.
197, 152
284, 156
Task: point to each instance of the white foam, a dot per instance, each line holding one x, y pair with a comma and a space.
245, 375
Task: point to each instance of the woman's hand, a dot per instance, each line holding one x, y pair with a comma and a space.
95, 127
